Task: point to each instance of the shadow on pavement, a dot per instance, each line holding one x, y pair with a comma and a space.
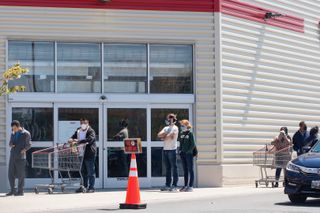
109, 210
308, 203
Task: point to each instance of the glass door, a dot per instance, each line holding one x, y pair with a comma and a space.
67, 117
133, 120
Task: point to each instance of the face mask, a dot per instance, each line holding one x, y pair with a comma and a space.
167, 122
84, 126
184, 128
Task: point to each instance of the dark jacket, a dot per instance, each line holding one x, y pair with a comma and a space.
187, 143
299, 141
310, 141
91, 148
20, 140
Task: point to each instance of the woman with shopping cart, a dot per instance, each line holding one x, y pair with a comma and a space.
282, 144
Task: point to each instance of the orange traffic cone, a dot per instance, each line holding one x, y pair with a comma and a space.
133, 190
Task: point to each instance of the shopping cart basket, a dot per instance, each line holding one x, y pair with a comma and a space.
267, 159
66, 159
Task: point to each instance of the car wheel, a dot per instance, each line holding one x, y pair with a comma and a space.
297, 199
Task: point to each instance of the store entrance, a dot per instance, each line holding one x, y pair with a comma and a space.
56, 122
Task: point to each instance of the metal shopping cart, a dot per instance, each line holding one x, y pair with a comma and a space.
67, 160
268, 158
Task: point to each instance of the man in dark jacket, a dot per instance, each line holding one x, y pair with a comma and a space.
20, 142
86, 135
299, 138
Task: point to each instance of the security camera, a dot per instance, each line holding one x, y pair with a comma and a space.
270, 15
103, 98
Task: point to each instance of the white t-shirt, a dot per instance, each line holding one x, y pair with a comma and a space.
82, 135
171, 144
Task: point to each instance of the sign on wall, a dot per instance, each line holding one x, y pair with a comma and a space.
132, 145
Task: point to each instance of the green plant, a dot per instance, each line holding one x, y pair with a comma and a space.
11, 74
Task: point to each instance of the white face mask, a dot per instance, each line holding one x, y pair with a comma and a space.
84, 126
184, 128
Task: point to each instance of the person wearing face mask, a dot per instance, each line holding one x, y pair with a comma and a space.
281, 146
169, 135
20, 143
187, 146
86, 135
299, 138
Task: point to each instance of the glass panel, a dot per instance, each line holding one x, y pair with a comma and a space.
38, 57
119, 163
35, 173
39, 121
171, 69
75, 114
77, 174
136, 119
79, 67
125, 68
158, 117
158, 168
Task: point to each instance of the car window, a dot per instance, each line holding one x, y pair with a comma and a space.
316, 148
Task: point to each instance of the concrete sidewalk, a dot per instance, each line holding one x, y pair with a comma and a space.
32, 203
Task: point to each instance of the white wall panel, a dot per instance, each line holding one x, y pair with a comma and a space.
270, 77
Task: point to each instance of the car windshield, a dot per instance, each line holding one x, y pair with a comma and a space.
316, 148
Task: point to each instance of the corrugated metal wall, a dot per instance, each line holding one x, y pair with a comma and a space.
122, 25
2, 106
270, 77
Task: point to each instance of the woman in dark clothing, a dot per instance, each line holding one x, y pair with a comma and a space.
281, 146
187, 146
312, 139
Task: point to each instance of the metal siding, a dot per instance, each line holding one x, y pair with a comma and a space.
270, 78
131, 26
160, 5
3, 142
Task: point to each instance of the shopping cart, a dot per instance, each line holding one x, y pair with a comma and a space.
268, 158
67, 160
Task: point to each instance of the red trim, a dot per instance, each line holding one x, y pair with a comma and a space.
254, 13
160, 5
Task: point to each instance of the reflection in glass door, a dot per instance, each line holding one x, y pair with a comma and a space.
121, 123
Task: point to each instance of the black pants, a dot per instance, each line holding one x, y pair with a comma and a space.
187, 163
278, 173
17, 170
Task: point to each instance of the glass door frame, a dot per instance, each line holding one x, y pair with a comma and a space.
145, 182
29, 182
57, 106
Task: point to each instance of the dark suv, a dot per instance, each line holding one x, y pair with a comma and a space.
302, 176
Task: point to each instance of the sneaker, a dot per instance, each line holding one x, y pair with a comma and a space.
165, 189
90, 190
173, 189
19, 194
183, 189
189, 189
11, 193
81, 190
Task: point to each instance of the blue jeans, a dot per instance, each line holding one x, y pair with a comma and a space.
170, 161
88, 172
187, 163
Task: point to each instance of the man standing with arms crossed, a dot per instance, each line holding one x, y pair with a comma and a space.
20, 143
169, 135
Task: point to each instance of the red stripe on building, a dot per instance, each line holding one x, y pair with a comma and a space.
159, 5
254, 13
230, 7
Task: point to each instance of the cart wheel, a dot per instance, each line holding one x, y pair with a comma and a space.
50, 191
62, 189
257, 184
36, 190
